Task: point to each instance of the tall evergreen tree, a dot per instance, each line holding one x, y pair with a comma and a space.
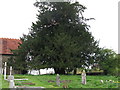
60, 38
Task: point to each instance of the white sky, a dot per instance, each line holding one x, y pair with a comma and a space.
16, 16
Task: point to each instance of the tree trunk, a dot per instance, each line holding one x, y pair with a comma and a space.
75, 71
59, 70
24, 71
39, 72
105, 72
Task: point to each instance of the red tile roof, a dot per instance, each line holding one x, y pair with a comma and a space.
6, 44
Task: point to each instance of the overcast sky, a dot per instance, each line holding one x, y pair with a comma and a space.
16, 16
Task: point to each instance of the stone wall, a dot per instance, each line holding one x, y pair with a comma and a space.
5, 59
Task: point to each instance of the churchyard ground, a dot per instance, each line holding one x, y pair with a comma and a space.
72, 81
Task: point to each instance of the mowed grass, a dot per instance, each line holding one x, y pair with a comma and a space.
48, 81
4, 83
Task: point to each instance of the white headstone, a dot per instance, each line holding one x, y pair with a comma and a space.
5, 71
101, 81
58, 79
83, 75
10, 77
10, 70
11, 84
110, 81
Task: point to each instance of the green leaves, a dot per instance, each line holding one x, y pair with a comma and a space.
108, 61
59, 38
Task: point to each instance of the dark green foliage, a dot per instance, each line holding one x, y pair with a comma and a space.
60, 38
108, 61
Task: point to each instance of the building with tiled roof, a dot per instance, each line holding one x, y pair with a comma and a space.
6, 45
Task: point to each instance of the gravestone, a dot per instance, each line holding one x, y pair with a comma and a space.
11, 84
58, 80
101, 81
11, 79
83, 75
5, 71
10, 70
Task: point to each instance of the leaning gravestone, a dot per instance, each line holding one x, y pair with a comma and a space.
83, 77
58, 79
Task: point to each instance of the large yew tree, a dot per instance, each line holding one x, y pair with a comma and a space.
60, 39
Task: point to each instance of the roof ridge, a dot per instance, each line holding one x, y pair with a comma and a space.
10, 38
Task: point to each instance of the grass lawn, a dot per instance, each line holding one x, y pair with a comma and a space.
5, 83
48, 81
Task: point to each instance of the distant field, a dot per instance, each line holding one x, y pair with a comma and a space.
72, 81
